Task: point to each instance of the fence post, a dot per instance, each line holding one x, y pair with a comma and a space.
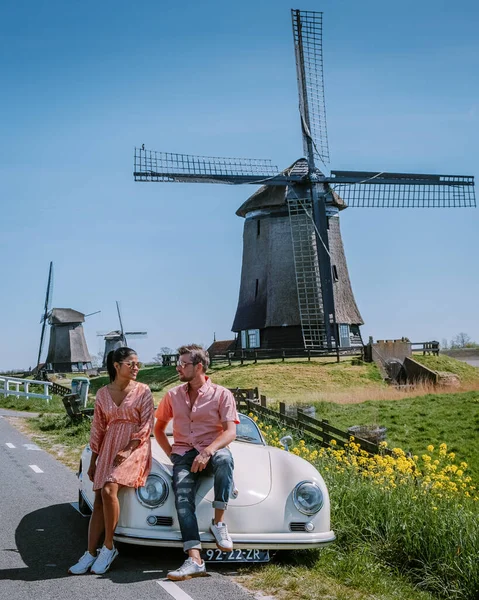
263, 400
282, 408
309, 355
255, 357
283, 356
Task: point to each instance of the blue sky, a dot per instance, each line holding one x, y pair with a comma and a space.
84, 82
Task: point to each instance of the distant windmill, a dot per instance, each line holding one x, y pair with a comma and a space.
117, 338
295, 289
67, 349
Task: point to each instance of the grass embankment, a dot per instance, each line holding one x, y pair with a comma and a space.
37, 405
414, 423
467, 373
291, 381
155, 377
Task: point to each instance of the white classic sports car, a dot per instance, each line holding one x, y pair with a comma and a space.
280, 501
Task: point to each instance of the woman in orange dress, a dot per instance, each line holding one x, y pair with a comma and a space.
121, 453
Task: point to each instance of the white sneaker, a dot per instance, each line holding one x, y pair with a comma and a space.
222, 537
188, 569
83, 564
104, 560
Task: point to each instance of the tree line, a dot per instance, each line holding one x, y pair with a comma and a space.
461, 340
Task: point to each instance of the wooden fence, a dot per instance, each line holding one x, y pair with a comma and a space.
304, 426
60, 390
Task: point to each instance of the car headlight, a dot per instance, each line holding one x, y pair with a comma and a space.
154, 493
308, 498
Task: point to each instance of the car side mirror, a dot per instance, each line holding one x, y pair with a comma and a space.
286, 441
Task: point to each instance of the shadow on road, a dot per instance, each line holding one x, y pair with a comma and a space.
51, 539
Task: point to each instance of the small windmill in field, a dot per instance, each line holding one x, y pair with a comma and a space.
67, 349
117, 338
295, 290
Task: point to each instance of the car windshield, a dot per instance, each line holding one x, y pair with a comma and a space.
247, 431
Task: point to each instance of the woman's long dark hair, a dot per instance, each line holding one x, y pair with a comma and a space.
114, 356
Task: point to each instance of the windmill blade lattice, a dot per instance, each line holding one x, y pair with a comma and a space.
186, 168
46, 309
308, 48
403, 190
121, 323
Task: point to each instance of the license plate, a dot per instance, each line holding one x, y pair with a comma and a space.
235, 556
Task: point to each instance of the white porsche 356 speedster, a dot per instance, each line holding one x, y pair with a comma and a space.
280, 501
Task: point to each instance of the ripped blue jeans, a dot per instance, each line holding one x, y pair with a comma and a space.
185, 486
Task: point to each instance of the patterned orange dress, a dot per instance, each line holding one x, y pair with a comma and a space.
113, 427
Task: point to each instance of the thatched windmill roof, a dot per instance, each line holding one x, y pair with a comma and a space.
275, 196
62, 316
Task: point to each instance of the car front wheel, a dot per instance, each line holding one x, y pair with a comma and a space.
83, 506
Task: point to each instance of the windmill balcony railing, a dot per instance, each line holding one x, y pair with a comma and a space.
10, 386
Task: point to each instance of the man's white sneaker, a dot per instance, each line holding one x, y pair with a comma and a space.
188, 569
104, 560
83, 564
222, 537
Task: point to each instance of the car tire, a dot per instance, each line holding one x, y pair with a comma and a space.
83, 507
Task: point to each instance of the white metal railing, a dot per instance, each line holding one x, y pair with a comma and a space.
15, 382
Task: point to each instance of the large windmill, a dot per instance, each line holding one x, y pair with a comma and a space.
295, 289
117, 338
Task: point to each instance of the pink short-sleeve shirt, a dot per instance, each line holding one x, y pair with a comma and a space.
197, 426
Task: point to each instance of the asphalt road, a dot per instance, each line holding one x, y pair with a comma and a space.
42, 534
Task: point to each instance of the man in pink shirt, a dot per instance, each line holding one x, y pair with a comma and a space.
204, 423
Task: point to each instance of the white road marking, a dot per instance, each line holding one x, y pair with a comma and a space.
31, 447
9, 445
35, 468
154, 571
174, 590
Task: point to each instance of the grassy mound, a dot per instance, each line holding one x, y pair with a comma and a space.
467, 373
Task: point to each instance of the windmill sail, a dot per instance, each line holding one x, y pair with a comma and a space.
308, 49
122, 337
403, 190
46, 310
186, 168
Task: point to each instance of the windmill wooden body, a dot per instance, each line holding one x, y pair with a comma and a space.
67, 350
295, 290
117, 338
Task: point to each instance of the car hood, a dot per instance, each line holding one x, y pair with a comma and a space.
252, 473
